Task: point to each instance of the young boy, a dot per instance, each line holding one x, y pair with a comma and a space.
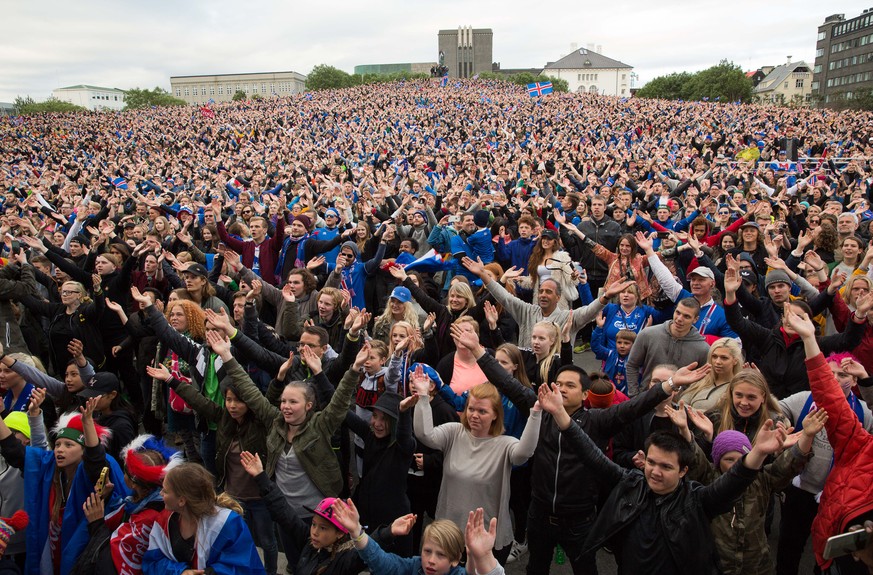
614, 361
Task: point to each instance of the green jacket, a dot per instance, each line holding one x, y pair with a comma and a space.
739, 535
252, 433
312, 443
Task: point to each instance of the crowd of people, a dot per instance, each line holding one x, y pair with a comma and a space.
346, 326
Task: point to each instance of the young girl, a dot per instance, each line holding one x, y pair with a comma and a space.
326, 548
119, 539
242, 425
746, 406
404, 349
199, 531
60, 481
726, 359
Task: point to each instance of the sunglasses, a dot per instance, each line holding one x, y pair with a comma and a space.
724, 213
815, 221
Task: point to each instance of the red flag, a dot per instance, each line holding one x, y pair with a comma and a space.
207, 112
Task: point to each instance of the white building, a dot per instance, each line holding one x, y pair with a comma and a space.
91, 97
587, 70
222, 87
790, 83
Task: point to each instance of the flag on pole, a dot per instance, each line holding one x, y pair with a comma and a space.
539, 89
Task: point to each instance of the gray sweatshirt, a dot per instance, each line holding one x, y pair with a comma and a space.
656, 345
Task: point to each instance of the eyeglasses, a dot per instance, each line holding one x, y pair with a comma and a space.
724, 213
815, 221
246, 212
69, 292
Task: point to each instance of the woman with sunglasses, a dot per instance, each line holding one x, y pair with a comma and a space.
549, 260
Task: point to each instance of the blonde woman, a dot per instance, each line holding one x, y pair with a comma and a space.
726, 359
399, 308
745, 406
76, 317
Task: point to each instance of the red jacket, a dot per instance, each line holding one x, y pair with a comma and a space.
268, 256
842, 316
847, 490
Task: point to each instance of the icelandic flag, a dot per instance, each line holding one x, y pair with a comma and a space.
211, 101
430, 262
444, 81
119, 183
539, 89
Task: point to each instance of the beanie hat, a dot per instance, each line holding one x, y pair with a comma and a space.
389, 404
307, 223
423, 215
331, 212
481, 218
728, 441
775, 277
142, 471
17, 421
69, 426
9, 526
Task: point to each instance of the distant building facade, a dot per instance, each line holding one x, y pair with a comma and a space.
466, 51
790, 83
7, 109
587, 70
222, 87
91, 97
843, 58
411, 68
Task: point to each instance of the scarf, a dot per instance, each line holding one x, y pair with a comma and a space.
211, 388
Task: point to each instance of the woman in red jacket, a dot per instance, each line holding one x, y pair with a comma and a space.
846, 495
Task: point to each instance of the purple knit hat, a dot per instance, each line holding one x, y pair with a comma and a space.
728, 441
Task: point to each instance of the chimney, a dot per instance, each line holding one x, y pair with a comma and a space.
599, 49
789, 59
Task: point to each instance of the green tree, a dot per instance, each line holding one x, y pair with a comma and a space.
324, 77
239, 96
725, 82
26, 106
139, 98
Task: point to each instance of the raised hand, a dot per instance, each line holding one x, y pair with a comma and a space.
479, 541
639, 459
491, 315
87, 410
75, 348
360, 322
600, 319
732, 283
863, 304
429, 321
420, 382
701, 422
550, 399
464, 338
37, 396
159, 372
93, 507
403, 525
475, 267
362, 356
219, 320
800, 323
288, 293
315, 262
690, 373
397, 272
617, 287
643, 242
285, 367
219, 344
311, 359
770, 438
853, 368
139, 297
347, 515
251, 462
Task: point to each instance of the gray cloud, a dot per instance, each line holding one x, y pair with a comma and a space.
124, 44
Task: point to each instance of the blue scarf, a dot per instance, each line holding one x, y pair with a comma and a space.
807, 407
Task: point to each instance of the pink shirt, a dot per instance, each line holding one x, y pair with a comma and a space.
466, 376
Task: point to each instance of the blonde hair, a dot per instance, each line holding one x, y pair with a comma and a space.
463, 290
467, 319
83, 293
489, 392
555, 349
846, 290
412, 334
708, 381
447, 537
769, 408
410, 316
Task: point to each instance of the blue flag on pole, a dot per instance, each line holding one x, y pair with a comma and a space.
539, 89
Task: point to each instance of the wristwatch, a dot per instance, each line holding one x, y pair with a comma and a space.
672, 385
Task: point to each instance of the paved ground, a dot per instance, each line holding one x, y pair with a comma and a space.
605, 561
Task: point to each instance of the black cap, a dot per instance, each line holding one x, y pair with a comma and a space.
748, 276
197, 270
80, 239
551, 234
100, 383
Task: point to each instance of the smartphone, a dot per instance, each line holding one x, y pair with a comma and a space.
663, 235
846, 543
221, 246
101, 481
16, 247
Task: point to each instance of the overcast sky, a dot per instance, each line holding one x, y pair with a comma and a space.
124, 44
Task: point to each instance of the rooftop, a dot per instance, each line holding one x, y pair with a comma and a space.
583, 59
779, 74
242, 74
89, 87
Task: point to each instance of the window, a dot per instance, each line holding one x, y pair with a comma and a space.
221, 90
578, 77
819, 53
178, 92
211, 90
815, 86
785, 85
272, 88
822, 35
817, 69
595, 77
263, 88
194, 91
798, 83
187, 91
116, 98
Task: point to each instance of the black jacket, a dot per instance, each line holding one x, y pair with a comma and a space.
684, 515
559, 475
784, 366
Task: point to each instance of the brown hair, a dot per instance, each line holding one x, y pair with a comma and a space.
516, 357
196, 485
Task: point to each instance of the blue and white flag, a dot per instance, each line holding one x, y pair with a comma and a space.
539, 89
430, 262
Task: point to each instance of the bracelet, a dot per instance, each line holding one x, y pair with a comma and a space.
860, 318
359, 537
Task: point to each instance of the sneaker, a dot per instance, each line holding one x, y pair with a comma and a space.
518, 549
582, 348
